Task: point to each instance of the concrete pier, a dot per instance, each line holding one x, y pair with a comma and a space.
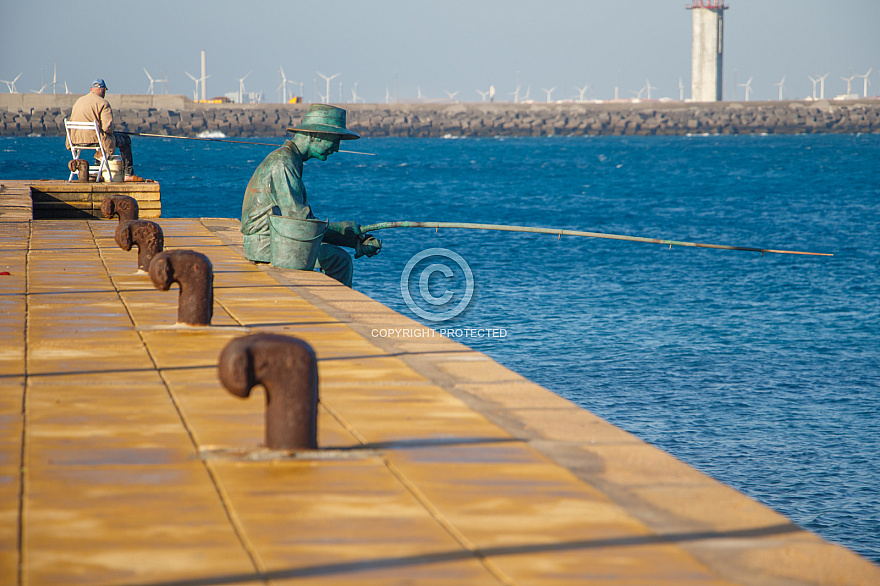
123, 461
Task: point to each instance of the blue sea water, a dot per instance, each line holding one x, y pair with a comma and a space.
760, 371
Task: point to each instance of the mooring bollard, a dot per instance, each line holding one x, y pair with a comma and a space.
81, 167
288, 369
147, 235
124, 206
194, 273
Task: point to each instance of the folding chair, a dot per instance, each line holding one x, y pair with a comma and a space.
75, 149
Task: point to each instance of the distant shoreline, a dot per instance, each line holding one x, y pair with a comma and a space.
43, 114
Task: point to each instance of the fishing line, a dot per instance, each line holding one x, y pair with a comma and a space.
223, 140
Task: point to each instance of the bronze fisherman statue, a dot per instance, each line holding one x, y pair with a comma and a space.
277, 183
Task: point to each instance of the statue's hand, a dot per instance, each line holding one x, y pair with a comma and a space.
348, 228
369, 246
346, 234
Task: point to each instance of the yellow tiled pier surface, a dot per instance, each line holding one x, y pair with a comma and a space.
123, 460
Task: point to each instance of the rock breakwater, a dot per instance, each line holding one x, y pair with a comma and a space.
182, 117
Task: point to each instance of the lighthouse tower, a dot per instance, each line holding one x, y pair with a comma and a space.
708, 27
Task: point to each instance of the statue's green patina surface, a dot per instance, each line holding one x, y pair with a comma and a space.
277, 183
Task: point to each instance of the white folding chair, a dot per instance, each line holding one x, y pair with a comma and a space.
75, 149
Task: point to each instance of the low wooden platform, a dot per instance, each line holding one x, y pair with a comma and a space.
48, 199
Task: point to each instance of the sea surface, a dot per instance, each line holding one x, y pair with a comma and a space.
762, 371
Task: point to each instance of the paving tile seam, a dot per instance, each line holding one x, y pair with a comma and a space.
253, 553
22, 478
235, 522
426, 503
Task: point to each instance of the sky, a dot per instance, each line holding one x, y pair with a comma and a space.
433, 48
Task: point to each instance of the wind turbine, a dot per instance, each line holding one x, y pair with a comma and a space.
550, 91
40, 91
515, 94
865, 78
649, 87
354, 94
815, 81
848, 81
11, 84
150, 89
241, 92
582, 91
822, 85
327, 79
680, 90
748, 86
451, 95
283, 86
285, 95
780, 85
483, 95
198, 81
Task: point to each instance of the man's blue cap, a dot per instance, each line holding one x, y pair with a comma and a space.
99, 83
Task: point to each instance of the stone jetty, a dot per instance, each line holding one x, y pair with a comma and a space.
24, 115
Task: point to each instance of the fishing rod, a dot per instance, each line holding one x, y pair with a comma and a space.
561, 233
222, 140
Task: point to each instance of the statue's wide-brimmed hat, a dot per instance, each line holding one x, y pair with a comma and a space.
324, 119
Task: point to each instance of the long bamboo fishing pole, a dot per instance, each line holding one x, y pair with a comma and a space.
222, 140
561, 233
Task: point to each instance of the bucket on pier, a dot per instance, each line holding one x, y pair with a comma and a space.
295, 241
117, 170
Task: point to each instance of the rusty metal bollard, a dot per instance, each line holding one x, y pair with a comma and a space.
124, 206
80, 166
147, 235
288, 369
194, 273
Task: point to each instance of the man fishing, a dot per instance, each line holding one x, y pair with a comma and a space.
277, 183
91, 107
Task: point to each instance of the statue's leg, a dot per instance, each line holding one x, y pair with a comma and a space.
336, 263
